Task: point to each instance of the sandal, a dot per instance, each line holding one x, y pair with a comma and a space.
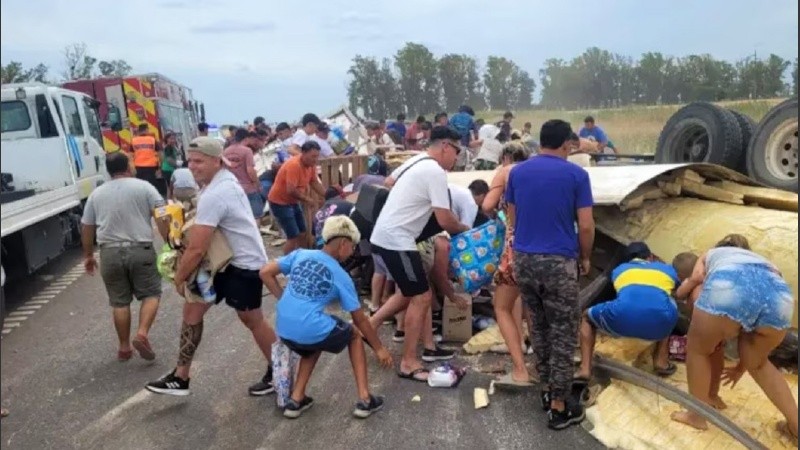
665, 371
413, 375
509, 382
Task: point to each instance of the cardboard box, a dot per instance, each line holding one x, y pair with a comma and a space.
456, 323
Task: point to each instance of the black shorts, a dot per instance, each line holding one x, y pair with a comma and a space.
336, 341
240, 288
406, 269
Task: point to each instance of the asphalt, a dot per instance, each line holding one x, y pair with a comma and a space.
65, 389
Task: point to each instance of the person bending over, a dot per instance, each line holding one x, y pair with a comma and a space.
316, 278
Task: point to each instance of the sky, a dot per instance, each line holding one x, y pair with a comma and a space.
244, 58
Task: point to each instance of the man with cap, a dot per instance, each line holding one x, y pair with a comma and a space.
222, 205
643, 309
321, 138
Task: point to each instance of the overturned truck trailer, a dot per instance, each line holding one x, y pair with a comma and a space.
688, 207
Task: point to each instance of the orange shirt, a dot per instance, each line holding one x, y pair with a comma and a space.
144, 151
292, 172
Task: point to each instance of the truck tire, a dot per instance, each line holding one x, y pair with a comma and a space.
748, 126
701, 132
772, 154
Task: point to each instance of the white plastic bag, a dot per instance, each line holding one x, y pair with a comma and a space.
284, 368
445, 376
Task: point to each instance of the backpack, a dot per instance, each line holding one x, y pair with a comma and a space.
462, 123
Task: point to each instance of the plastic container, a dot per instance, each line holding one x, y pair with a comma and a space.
284, 364
205, 286
446, 376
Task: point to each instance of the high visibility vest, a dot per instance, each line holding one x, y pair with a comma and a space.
144, 151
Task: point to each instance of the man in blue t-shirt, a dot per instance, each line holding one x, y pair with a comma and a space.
592, 131
546, 196
464, 123
644, 309
316, 278
399, 126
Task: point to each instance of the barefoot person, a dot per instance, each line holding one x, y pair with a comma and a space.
644, 309
743, 296
316, 279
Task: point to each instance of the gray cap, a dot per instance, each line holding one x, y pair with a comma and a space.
206, 145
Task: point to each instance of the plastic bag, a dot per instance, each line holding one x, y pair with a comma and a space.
446, 375
167, 262
284, 366
475, 254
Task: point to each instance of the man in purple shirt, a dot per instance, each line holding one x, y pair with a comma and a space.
546, 196
239, 157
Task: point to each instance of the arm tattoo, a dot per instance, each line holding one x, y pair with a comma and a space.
190, 339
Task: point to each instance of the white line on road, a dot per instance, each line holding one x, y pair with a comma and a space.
60, 284
29, 307
15, 318
51, 291
6, 330
37, 302
21, 313
10, 325
43, 297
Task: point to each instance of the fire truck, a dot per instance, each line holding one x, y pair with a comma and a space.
152, 99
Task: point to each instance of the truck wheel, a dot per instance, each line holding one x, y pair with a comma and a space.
772, 155
701, 132
748, 126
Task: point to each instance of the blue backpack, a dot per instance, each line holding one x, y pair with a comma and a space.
462, 123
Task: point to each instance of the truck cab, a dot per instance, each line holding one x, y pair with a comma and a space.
52, 160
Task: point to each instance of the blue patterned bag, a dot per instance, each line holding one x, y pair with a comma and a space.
475, 254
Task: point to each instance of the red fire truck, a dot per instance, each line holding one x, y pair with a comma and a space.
153, 99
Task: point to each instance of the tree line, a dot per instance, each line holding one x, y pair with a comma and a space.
415, 81
78, 64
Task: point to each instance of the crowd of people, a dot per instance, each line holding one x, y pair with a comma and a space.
732, 291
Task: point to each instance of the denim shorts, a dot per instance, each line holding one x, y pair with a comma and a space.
290, 218
749, 294
256, 204
649, 319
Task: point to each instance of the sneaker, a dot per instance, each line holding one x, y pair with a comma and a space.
169, 384
439, 354
365, 409
263, 387
293, 410
545, 398
399, 336
572, 415
437, 337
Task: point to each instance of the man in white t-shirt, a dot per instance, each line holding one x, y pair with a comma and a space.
321, 138
222, 205
418, 190
310, 123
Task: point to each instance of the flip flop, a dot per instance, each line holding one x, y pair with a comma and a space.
507, 381
413, 375
665, 371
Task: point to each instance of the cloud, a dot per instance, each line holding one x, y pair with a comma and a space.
232, 27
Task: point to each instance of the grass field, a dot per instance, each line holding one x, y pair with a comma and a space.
633, 129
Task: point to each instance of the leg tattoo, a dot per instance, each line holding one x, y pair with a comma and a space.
190, 339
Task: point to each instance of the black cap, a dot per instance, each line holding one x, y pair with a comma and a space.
441, 132
638, 250
310, 118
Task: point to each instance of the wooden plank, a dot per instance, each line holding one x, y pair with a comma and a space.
691, 175
638, 197
670, 188
711, 192
766, 197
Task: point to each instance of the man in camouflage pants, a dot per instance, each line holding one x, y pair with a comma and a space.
547, 195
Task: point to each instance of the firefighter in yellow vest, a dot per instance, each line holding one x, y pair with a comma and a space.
146, 150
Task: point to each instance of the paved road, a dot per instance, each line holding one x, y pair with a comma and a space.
65, 389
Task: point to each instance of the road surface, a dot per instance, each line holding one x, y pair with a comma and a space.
65, 389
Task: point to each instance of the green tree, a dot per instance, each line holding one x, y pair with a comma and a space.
507, 86
114, 68
364, 86
418, 78
14, 72
460, 82
389, 99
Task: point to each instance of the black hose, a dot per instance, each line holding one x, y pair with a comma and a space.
644, 380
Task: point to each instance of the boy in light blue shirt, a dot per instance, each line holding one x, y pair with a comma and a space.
316, 278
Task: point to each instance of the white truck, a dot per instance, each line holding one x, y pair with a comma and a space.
52, 159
